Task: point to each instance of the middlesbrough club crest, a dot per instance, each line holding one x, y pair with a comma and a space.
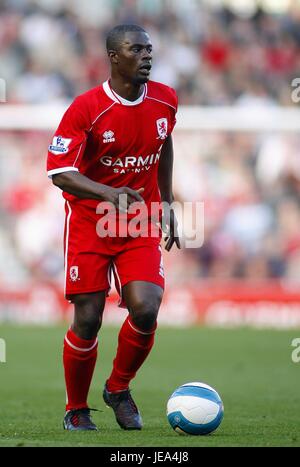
74, 273
162, 128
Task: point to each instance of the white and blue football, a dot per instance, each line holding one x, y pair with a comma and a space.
195, 409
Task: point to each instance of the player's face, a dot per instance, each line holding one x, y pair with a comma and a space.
134, 57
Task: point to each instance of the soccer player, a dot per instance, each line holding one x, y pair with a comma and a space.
113, 140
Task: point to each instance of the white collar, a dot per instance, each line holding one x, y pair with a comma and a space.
120, 100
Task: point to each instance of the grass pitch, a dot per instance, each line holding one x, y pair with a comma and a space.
252, 370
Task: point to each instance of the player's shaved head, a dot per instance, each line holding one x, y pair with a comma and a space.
115, 37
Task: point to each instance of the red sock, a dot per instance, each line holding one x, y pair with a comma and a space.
79, 357
134, 346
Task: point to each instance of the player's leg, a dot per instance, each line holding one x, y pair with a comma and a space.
143, 300
86, 283
136, 336
139, 272
79, 357
88, 311
135, 342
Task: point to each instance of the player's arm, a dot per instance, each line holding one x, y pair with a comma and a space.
83, 187
165, 173
65, 154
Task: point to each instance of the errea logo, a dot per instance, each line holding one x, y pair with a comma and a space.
108, 136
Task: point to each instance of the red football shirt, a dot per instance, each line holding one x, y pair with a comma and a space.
115, 141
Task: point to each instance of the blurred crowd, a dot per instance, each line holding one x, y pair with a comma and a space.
51, 51
250, 186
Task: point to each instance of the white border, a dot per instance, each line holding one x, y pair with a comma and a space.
80, 348
120, 100
67, 243
61, 170
162, 102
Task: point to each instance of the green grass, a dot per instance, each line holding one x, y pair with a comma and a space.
252, 370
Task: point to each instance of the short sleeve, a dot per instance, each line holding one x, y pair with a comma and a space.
69, 141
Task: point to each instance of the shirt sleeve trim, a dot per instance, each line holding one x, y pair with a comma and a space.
61, 170
162, 102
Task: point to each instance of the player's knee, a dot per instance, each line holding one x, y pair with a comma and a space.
87, 322
144, 314
88, 316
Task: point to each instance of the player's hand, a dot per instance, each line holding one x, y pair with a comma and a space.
170, 228
123, 202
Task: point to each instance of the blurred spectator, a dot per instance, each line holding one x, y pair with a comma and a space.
53, 50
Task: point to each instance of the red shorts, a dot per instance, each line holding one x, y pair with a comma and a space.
91, 260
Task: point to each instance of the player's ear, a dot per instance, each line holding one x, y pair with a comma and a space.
113, 56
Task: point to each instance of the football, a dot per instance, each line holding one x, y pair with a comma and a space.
195, 409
